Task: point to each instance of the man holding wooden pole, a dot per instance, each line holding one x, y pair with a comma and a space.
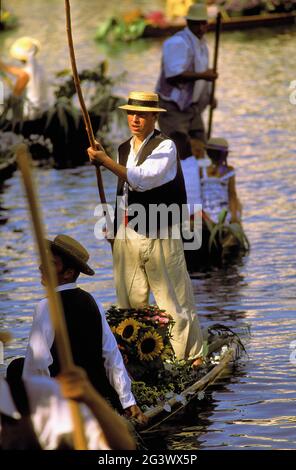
185, 81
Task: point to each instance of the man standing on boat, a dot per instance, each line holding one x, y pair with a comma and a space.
184, 85
93, 345
149, 174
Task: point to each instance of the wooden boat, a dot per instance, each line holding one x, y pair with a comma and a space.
228, 24
163, 411
161, 384
221, 243
7, 167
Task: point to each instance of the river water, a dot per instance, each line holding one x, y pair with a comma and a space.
255, 407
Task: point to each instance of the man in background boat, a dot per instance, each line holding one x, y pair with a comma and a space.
93, 345
149, 174
35, 413
184, 85
30, 81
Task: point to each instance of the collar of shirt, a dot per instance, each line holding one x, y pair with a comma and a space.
70, 285
7, 405
193, 37
133, 156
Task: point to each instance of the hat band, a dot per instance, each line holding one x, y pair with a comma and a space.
150, 104
216, 147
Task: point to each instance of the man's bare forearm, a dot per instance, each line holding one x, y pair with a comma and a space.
188, 76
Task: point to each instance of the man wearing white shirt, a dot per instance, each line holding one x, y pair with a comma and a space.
184, 85
35, 414
149, 174
93, 345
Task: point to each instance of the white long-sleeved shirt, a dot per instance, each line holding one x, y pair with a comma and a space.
159, 168
50, 414
184, 52
38, 356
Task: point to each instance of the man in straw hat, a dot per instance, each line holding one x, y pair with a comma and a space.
184, 85
94, 347
30, 79
150, 175
35, 414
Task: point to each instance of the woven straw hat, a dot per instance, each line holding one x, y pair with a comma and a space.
74, 251
142, 101
217, 143
21, 48
197, 12
5, 336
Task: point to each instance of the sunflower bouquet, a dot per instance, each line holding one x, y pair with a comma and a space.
143, 336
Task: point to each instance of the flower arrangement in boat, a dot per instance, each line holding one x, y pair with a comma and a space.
143, 336
129, 26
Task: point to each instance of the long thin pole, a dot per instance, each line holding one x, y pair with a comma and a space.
84, 111
215, 67
54, 301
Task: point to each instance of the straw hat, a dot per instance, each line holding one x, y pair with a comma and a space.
217, 143
21, 48
197, 12
74, 251
142, 101
5, 336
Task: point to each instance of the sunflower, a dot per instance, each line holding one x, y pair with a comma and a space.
128, 329
149, 346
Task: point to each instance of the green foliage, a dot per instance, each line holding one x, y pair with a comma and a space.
220, 232
154, 378
7, 19
13, 110
116, 29
99, 98
63, 110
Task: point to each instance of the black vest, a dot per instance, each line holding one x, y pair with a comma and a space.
84, 324
173, 192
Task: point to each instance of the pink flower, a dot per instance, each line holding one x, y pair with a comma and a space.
164, 320
156, 18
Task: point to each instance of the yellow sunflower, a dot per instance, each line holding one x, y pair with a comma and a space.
128, 329
149, 346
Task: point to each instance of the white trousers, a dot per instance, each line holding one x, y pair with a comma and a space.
142, 264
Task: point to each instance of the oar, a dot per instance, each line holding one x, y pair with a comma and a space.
215, 66
84, 111
54, 301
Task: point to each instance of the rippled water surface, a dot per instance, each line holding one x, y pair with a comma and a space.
255, 407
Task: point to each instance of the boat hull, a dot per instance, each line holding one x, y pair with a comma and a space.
230, 24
